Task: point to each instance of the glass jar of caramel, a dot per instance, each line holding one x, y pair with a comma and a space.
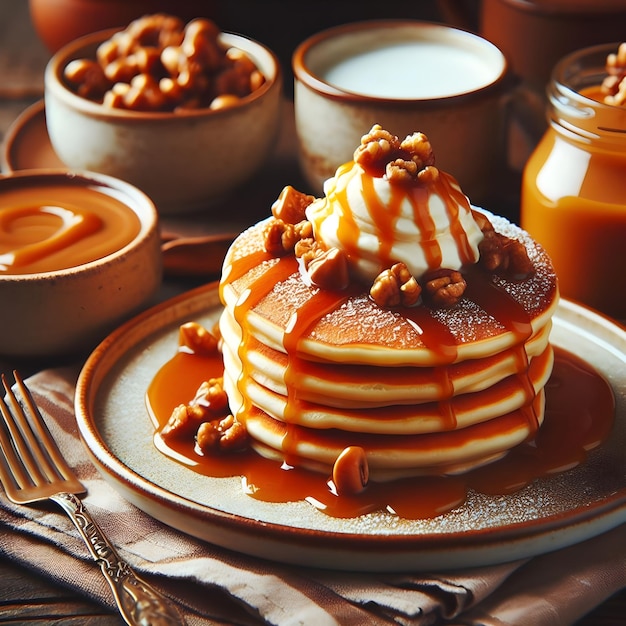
573, 198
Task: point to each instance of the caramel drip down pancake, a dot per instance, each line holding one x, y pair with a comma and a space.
421, 389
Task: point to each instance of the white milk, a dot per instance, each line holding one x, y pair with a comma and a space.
412, 70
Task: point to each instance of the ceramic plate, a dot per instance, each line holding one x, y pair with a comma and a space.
550, 513
27, 145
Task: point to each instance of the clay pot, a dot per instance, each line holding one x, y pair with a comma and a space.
57, 22
535, 34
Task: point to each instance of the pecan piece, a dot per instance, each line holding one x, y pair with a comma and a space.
503, 255
324, 268
404, 161
329, 270
307, 249
499, 253
445, 287
614, 85
197, 339
182, 423
376, 149
401, 171
221, 435
281, 237
519, 264
351, 471
210, 398
290, 205
418, 147
395, 286
209, 402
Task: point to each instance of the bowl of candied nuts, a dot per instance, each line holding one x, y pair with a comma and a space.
183, 111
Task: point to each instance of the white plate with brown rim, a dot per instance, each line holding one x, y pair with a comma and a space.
550, 513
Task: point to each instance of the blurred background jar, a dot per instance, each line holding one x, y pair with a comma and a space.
535, 34
573, 197
58, 22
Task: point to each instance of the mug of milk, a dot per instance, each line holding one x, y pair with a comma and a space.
407, 76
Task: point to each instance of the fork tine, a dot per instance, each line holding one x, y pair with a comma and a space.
24, 441
34, 456
42, 444
12, 474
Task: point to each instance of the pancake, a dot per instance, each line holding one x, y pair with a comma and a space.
389, 316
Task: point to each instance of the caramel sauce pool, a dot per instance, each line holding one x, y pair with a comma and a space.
579, 415
53, 227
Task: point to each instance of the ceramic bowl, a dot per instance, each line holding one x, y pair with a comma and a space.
53, 302
185, 161
407, 76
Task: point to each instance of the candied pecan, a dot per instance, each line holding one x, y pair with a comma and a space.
210, 399
503, 255
385, 291
329, 270
403, 162
273, 237
234, 436
281, 237
415, 161
181, 424
519, 265
377, 148
87, 77
207, 437
307, 249
290, 205
401, 170
304, 230
418, 147
614, 85
444, 287
196, 338
491, 250
199, 69
351, 471
395, 286
428, 175
221, 435
325, 268
616, 95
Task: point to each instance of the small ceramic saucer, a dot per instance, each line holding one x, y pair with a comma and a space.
27, 145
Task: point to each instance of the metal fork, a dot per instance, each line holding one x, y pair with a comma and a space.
32, 470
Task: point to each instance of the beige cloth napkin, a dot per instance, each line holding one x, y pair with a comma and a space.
216, 586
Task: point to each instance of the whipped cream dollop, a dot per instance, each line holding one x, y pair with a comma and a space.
376, 218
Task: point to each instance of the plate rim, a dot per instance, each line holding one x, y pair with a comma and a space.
611, 510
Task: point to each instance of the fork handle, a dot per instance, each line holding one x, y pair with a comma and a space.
137, 601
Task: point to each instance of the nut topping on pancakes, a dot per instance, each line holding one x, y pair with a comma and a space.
387, 329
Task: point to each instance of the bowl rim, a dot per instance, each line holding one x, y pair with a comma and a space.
81, 47
141, 205
303, 73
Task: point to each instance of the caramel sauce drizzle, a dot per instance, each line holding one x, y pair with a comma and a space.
435, 335
384, 216
456, 199
349, 232
579, 416
575, 390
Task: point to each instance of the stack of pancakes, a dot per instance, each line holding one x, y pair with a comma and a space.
422, 390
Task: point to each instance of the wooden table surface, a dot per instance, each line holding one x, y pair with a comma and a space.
25, 596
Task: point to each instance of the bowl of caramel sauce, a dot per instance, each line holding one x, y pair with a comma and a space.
79, 253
